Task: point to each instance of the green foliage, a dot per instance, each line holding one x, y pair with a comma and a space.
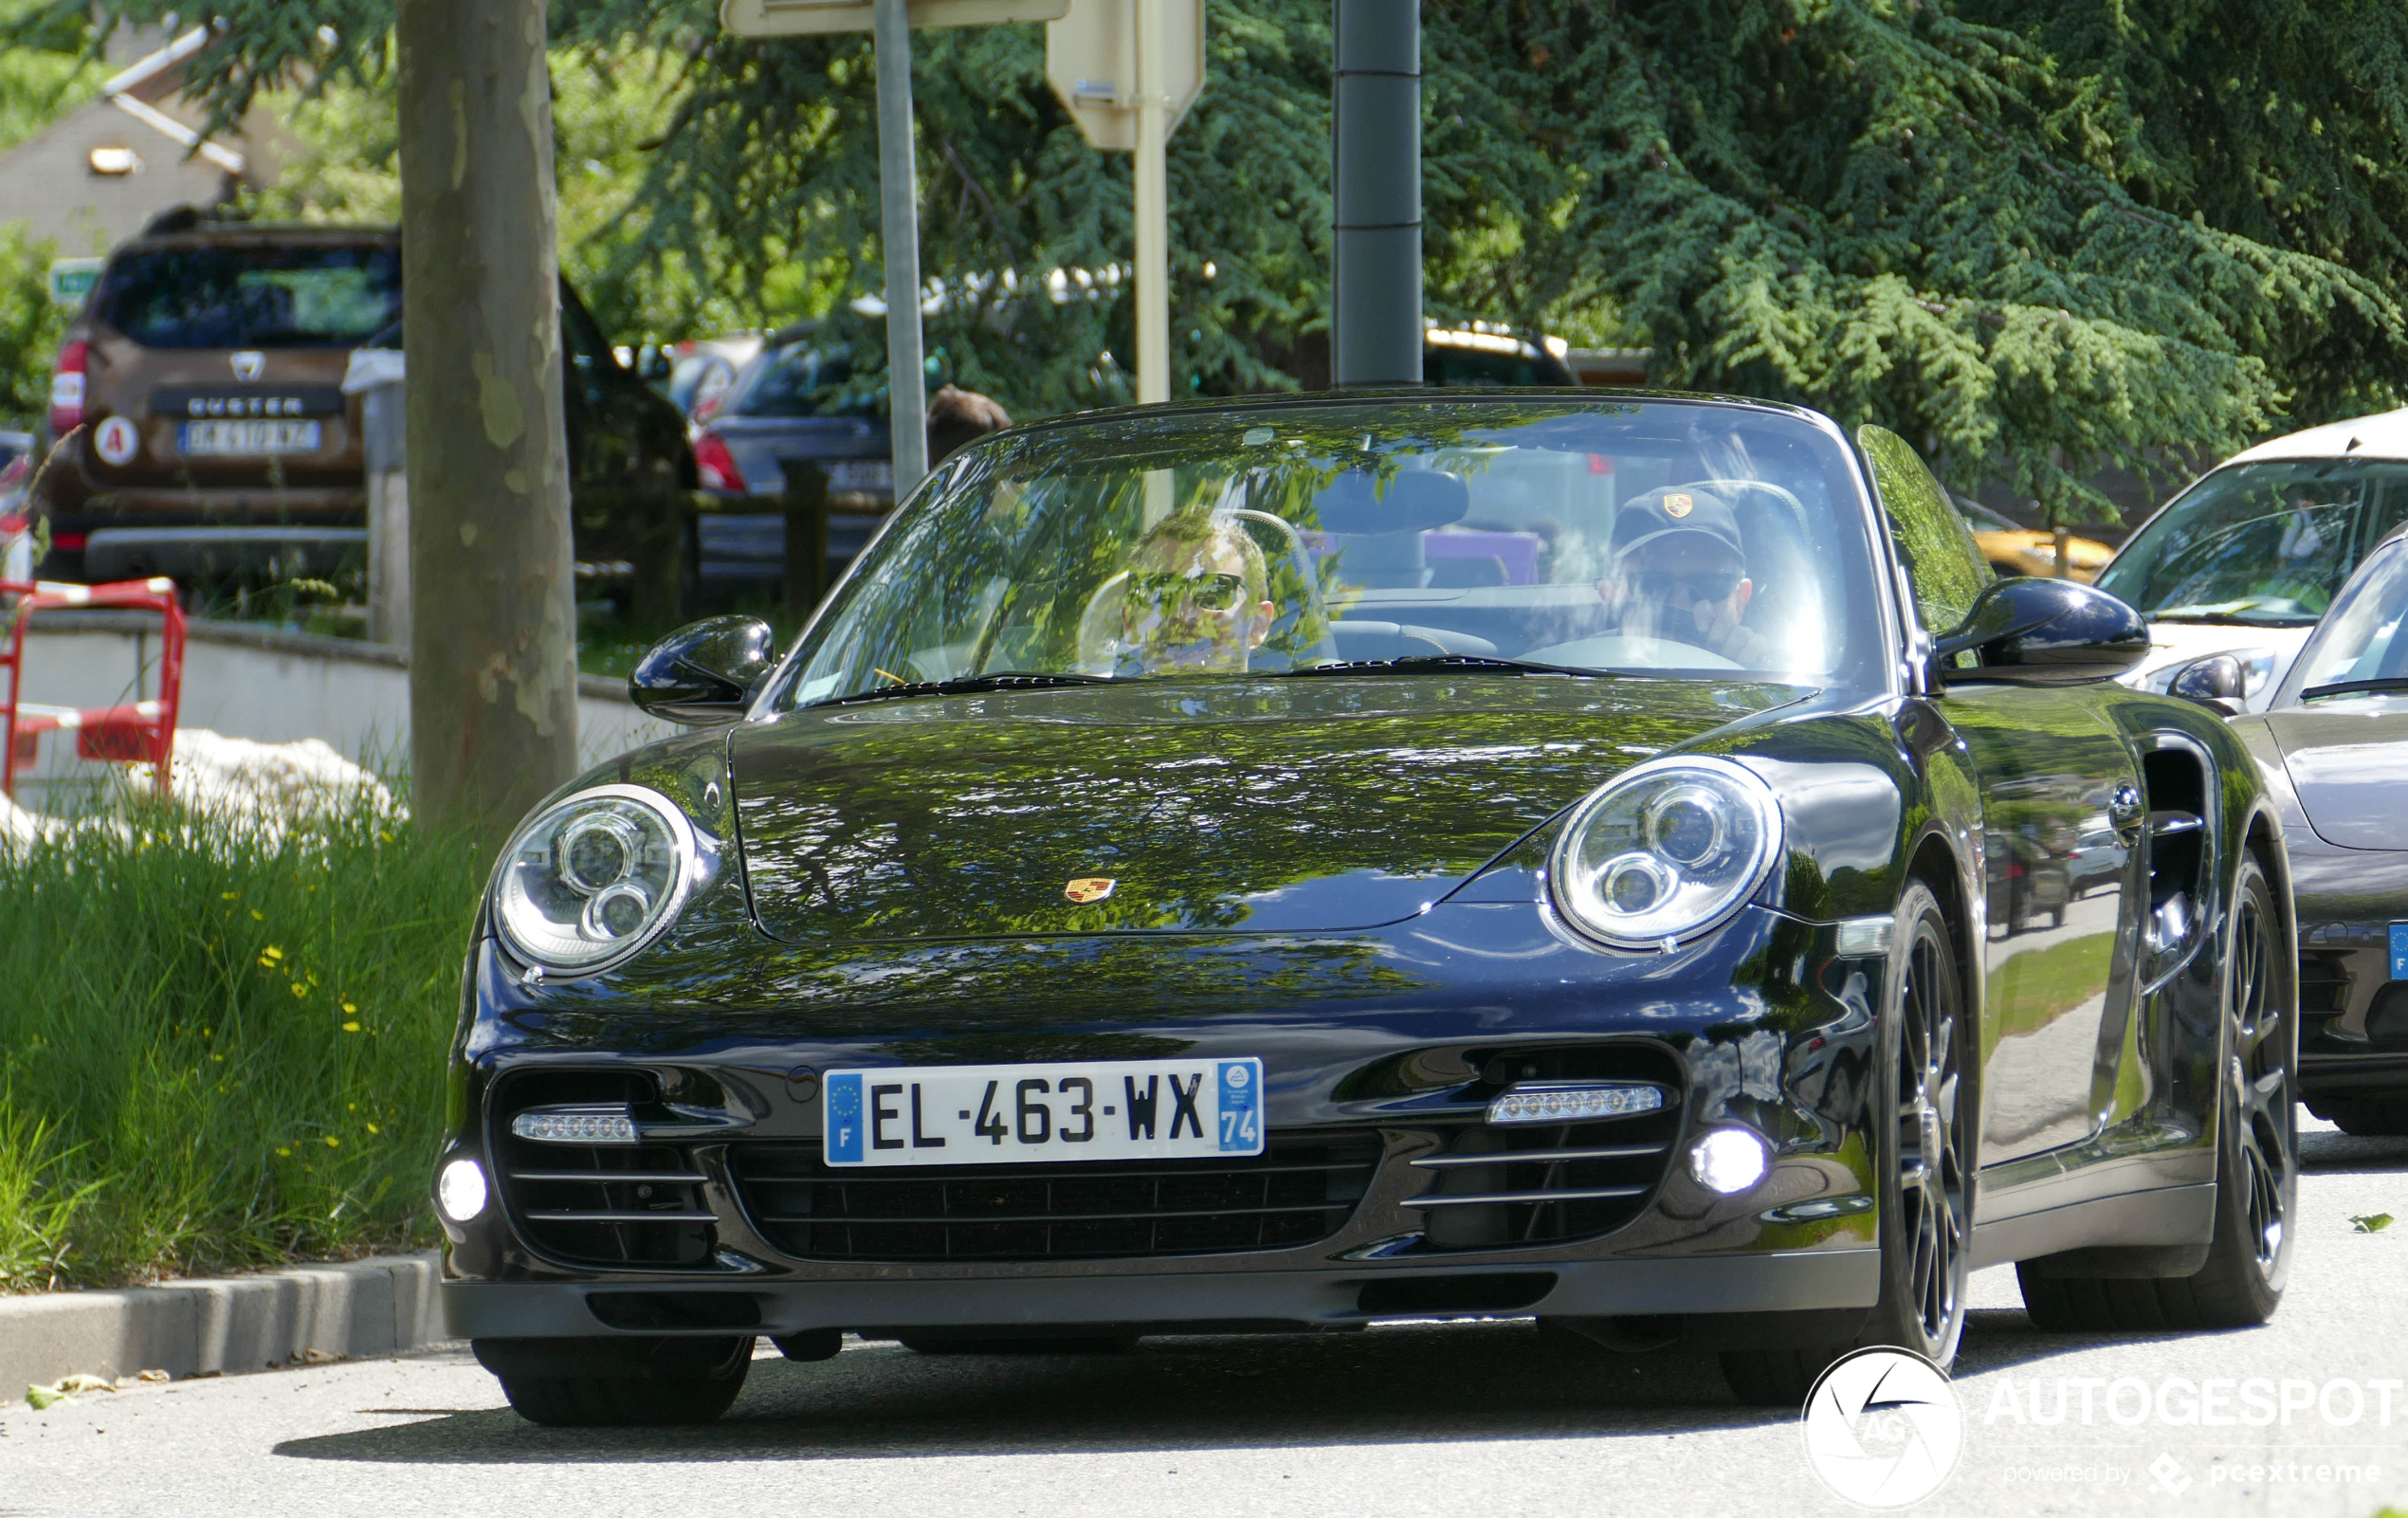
30, 325
2032, 236
221, 1049
44, 71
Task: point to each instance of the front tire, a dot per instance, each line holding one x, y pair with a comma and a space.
2256, 1160
2372, 1118
678, 1383
1924, 1167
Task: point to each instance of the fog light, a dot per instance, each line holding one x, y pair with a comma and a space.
576, 1124
1728, 1160
1574, 1101
460, 1191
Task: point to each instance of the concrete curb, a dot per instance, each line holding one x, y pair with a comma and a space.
383, 1305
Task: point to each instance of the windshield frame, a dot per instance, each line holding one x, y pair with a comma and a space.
1882, 674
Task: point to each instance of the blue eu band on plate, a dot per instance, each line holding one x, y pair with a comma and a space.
1015, 1114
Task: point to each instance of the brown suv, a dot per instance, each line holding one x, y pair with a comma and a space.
205, 433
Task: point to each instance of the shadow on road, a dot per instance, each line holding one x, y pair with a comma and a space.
2329, 1150
1395, 1385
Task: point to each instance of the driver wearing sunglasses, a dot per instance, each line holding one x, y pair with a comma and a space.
1679, 573
1195, 598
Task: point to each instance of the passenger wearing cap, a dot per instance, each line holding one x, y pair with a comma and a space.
1679, 573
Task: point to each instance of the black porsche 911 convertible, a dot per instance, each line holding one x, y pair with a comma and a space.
1284, 864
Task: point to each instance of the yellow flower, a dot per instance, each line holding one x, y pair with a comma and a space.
229, 896
372, 1128
333, 1142
284, 1154
300, 990
258, 916
349, 1008
351, 1026
219, 1059
269, 954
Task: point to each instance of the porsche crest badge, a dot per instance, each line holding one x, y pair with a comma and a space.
1677, 507
1089, 888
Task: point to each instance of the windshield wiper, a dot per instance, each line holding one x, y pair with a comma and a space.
1428, 663
963, 685
2354, 687
2232, 619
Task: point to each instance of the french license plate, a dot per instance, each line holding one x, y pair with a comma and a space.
2399, 951
862, 475
246, 439
1016, 1114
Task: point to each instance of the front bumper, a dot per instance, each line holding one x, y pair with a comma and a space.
1190, 1302
1396, 1067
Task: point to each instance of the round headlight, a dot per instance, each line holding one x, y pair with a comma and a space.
590, 881
1666, 851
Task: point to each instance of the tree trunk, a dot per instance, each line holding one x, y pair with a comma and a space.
493, 640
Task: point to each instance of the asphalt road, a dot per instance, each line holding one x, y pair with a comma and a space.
1414, 1418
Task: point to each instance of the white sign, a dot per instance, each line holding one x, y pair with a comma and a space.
1090, 60
801, 18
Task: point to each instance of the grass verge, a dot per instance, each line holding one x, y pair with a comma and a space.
221, 1047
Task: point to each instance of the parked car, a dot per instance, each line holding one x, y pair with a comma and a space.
1142, 901
2013, 548
203, 432
2333, 741
2097, 860
1482, 354
2245, 561
16, 453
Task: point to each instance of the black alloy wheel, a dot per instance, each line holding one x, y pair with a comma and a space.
2256, 1158
1925, 1167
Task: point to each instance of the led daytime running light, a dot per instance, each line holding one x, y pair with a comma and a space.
605, 1124
1574, 1102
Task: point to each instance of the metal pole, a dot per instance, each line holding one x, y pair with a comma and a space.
899, 226
1153, 209
1376, 151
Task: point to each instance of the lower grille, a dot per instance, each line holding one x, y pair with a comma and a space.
600, 1204
1301, 1189
2324, 981
1543, 1184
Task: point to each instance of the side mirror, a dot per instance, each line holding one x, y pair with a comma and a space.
2217, 681
2029, 631
705, 672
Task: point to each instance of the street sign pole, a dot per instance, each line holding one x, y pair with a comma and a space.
899, 234
1128, 70
1151, 184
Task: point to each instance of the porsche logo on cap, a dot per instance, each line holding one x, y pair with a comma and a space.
1089, 888
1678, 505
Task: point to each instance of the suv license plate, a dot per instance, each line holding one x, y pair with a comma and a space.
862, 475
1015, 1114
247, 439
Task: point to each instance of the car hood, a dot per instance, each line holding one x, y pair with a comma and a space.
1291, 805
2265, 653
2348, 760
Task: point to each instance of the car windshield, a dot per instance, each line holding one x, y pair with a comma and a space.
804, 379
2266, 545
1663, 537
253, 296
2360, 641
